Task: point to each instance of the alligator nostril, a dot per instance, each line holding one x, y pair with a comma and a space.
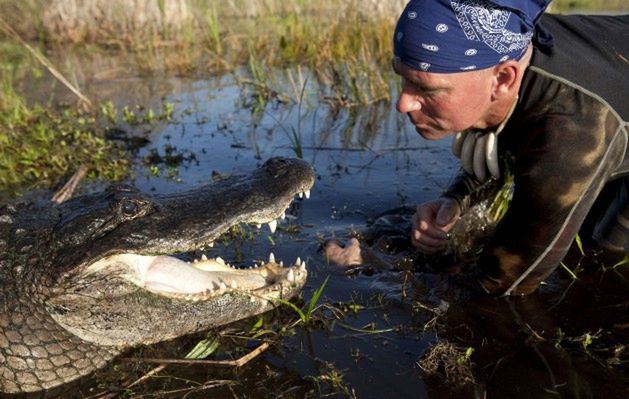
276, 166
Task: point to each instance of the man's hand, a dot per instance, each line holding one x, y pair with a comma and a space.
431, 223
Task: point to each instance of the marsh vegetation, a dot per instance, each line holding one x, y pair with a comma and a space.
274, 48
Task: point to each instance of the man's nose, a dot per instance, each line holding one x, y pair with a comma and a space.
407, 103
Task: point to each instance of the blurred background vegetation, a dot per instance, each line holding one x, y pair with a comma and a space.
588, 5
217, 36
345, 45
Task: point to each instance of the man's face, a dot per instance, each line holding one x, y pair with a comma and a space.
440, 104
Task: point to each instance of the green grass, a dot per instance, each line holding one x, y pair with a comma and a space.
40, 148
346, 49
591, 5
306, 314
203, 348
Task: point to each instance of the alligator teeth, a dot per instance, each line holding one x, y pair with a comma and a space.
300, 195
307, 194
258, 225
273, 225
298, 261
271, 258
211, 245
283, 215
222, 287
219, 260
302, 267
290, 276
203, 257
233, 284
282, 263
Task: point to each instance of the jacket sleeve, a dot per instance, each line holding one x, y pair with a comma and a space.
562, 161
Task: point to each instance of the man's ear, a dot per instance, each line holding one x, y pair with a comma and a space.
507, 76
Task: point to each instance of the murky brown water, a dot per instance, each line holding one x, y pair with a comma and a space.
367, 161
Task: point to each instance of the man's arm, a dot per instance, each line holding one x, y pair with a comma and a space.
562, 161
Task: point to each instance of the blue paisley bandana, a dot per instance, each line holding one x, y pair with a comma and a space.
446, 36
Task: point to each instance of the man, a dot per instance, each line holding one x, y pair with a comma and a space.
547, 101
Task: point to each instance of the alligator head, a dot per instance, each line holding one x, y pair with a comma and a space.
83, 281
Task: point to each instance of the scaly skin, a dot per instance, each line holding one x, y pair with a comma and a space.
61, 318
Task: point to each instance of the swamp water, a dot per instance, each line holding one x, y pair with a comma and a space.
568, 340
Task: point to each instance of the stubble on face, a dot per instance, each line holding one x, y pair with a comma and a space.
450, 102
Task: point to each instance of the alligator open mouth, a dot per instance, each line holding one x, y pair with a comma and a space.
107, 271
202, 278
130, 286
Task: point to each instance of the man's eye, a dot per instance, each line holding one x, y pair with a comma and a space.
418, 88
410, 85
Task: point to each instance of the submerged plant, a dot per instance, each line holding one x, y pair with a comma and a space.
329, 375
450, 362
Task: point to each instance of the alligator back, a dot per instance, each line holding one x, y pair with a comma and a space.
35, 352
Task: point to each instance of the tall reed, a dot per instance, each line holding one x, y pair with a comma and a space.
346, 42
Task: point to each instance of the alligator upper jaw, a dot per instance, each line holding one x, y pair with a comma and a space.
204, 278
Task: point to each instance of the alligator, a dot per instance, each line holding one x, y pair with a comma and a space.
83, 281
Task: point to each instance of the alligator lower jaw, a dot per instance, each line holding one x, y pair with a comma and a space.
203, 279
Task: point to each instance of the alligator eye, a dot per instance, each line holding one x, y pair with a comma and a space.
129, 208
276, 166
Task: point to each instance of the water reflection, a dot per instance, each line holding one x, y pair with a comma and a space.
556, 344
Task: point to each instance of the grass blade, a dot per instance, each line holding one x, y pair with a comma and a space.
291, 305
203, 349
566, 268
315, 298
